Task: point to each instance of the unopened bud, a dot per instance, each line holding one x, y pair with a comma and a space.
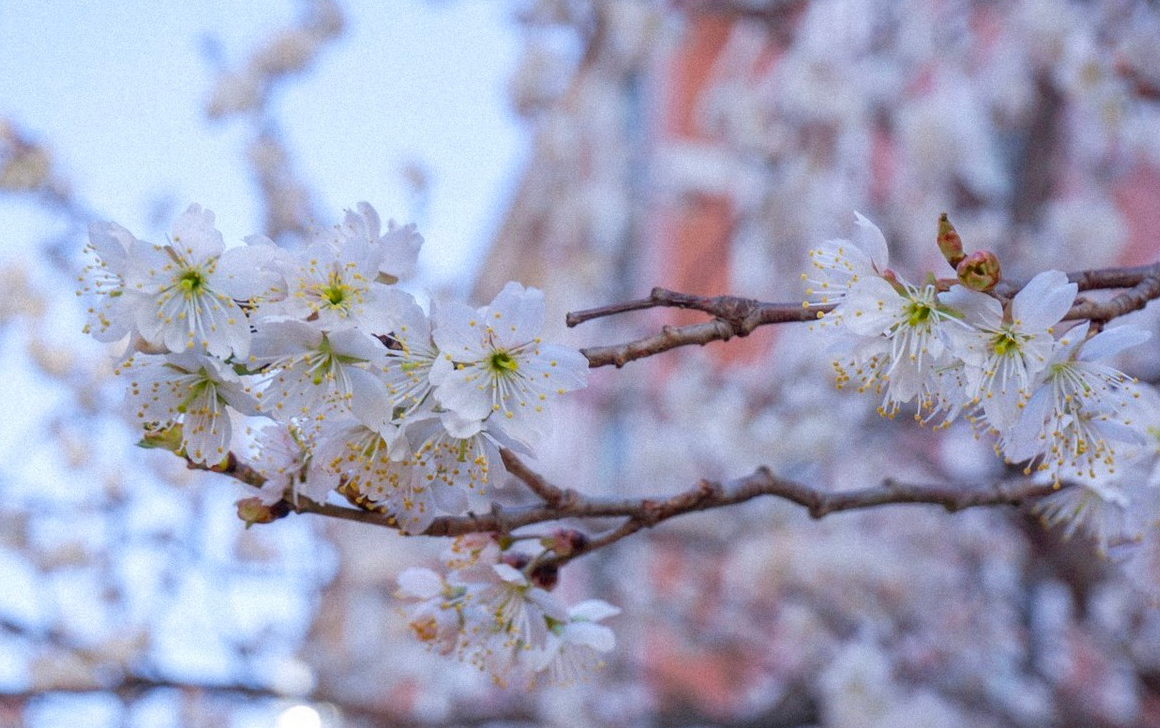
891, 277
565, 541
949, 241
546, 575
979, 271
516, 559
253, 510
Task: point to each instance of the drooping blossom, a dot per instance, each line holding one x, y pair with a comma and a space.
574, 646
1080, 416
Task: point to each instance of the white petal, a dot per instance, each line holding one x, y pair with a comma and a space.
870, 239
516, 315
510, 574
593, 610
240, 272
1110, 342
420, 583
194, 236
1043, 301
595, 636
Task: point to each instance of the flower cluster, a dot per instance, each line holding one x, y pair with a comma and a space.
1010, 366
492, 610
368, 395
400, 411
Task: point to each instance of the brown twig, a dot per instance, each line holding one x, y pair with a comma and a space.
547, 492
640, 513
1133, 299
735, 316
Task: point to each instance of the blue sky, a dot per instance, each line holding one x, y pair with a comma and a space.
117, 92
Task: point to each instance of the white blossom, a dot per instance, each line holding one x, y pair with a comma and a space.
193, 390
373, 466
1005, 352
309, 370
334, 287
893, 334
1082, 410
574, 646
280, 458
492, 362
190, 289
411, 356
111, 316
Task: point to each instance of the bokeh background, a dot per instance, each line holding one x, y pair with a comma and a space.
594, 148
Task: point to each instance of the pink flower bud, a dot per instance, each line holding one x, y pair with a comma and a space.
949, 241
979, 271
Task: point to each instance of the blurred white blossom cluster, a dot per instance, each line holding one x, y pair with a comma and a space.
1013, 368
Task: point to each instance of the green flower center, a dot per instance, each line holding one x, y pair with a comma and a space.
192, 281
1005, 343
335, 293
501, 361
917, 312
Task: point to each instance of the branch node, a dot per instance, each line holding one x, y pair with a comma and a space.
651, 512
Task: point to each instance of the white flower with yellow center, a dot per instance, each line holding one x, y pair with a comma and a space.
1005, 354
492, 364
839, 264
192, 390
309, 371
189, 291
374, 466
334, 286
1081, 415
899, 337
396, 250
894, 335
111, 316
411, 354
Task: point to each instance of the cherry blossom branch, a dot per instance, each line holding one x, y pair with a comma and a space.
735, 316
639, 513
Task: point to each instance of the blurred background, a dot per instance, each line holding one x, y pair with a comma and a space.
593, 148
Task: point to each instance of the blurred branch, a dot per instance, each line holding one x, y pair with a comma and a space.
132, 687
735, 316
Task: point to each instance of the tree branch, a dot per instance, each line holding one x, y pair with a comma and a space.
639, 513
735, 316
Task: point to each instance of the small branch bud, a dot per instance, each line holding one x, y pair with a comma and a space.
565, 542
545, 575
949, 241
252, 510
